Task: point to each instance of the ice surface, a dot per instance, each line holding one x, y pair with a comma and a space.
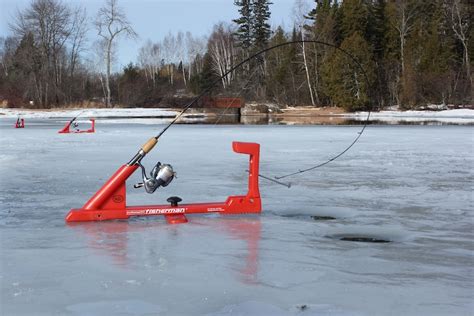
410, 184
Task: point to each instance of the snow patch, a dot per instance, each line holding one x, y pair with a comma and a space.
96, 113
459, 116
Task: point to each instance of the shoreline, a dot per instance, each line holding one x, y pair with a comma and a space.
289, 116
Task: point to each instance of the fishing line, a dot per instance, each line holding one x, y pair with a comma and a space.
259, 54
243, 87
221, 115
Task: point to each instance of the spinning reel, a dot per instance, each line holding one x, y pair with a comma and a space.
160, 176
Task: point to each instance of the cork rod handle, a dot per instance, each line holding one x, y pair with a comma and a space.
148, 146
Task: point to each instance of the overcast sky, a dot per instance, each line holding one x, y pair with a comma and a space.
153, 19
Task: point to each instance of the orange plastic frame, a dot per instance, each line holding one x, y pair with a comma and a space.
67, 129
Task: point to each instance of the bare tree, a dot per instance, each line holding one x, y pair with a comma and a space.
170, 54
111, 22
181, 54
78, 37
405, 11
459, 19
50, 23
300, 7
223, 52
7, 50
195, 46
149, 58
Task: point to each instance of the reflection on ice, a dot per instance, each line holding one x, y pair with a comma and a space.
121, 307
115, 241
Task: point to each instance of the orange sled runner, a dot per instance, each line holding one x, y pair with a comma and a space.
109, 202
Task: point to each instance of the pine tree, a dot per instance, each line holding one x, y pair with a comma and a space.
354, 18
377, 36
344, 81
326, 28
245, 24
204, 80
325, 21
279, 69
428, 54
261, 28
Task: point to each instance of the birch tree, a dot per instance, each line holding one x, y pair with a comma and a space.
459, 19
299, 9
222, 51
181, 54
403, 22
111, 22
170, 55
195, 46
149, 58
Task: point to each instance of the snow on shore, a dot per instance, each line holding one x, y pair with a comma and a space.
458, 116
95, 113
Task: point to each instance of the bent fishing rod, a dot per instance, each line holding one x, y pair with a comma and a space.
150, 144
75, 117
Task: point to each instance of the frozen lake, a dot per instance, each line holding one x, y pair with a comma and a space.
411, 185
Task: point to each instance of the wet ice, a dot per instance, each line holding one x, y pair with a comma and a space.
411, 184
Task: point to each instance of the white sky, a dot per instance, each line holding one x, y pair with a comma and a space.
153, 19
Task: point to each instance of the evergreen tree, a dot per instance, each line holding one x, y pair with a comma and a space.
325, 26
281, 70
203, 81
428, 55
344, 81
354, 18
261, 28
377, 35
245, 25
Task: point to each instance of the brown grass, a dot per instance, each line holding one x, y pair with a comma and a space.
311, 111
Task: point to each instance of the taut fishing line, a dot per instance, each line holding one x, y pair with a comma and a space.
259, 54
242, 88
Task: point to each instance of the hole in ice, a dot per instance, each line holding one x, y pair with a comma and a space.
364, 239
361, 238
303, 307
319, 217
318, 213
323, 217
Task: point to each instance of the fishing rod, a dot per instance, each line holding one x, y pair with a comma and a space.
150, 144
109, 202
75, 118
67, 127
20, 122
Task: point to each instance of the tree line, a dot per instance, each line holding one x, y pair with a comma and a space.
409, 53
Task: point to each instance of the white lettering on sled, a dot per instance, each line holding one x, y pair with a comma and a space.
155, 211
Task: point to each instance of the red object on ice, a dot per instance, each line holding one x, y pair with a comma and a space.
20, 123
110, 201
67, 128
